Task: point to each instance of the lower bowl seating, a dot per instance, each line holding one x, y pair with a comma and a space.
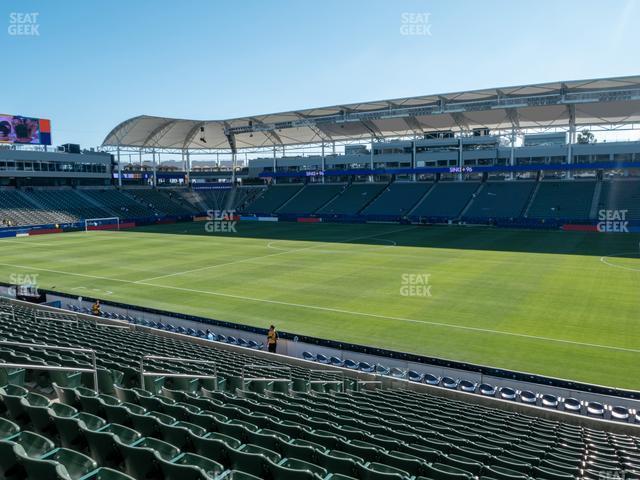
279, 427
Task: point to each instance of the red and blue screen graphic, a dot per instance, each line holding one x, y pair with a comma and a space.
24, 130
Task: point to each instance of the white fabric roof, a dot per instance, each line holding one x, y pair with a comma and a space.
591, 102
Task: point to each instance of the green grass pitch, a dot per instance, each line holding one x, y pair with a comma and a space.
564, 304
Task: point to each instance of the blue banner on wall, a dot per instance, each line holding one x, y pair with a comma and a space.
467, 169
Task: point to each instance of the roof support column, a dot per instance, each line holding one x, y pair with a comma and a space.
323, 166
275, 164
187, 167
153, 165
413, 158
184, 163
284, 154
512, 153
188, 155
234, 157
119, 168
572, 137
371, 158
460, 160
234, 161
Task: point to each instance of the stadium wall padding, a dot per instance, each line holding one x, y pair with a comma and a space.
77, 226
109, 227
44, 231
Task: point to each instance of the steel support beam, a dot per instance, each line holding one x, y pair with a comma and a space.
119, 169
275, 164
324, 166
155, 177
572, 136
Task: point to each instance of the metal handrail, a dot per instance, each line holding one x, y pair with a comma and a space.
265, 367
109, 325
175, 375
324, 372
54, 368
369, 382
42, 315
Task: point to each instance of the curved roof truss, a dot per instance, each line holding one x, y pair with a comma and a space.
589, 102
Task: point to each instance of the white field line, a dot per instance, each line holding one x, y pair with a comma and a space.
93, 236
32, 244
606, 261
374, 248
337, 310
295, 250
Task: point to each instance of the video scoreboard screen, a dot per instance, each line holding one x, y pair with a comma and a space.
24, 130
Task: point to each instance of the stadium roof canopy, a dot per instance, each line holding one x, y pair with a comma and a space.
557, 104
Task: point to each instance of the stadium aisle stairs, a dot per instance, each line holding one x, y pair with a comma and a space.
193, 199
621, 195
119, 204
446, 199
54, 209
19, 210
212, 199
397, 198
68, 203
163, 203
272, 198
245, 195
563, 200
311, 198
500, 200
353, 199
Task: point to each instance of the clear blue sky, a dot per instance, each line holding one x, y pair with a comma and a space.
95, 64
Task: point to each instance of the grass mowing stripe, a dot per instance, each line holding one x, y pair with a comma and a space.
264, 256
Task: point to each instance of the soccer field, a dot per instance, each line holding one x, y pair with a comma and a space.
564, 304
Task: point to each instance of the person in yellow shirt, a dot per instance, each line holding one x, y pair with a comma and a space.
95, 308
272, 339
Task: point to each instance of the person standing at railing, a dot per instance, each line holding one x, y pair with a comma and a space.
96, 309
272, 339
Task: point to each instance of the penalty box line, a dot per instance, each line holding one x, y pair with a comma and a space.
336, 310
